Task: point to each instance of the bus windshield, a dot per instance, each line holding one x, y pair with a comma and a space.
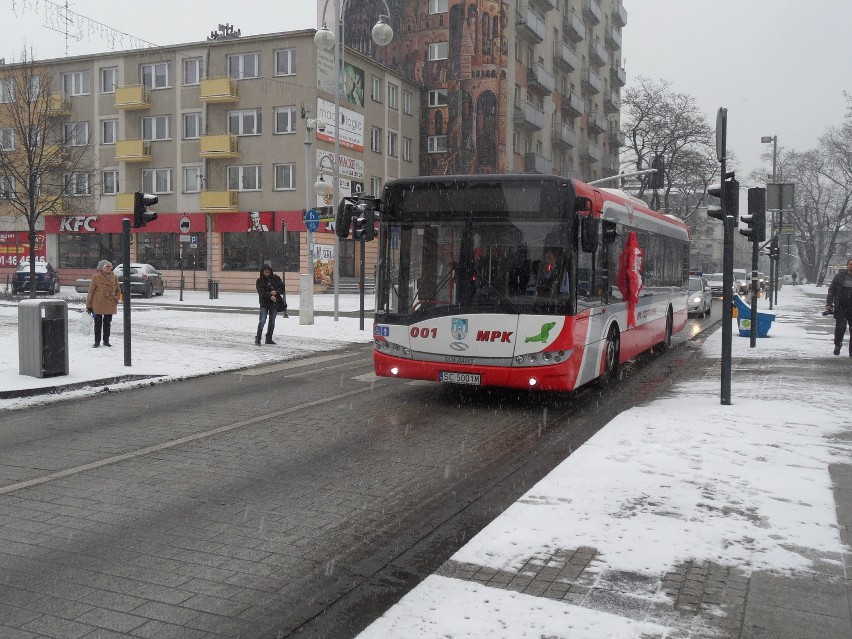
478, 247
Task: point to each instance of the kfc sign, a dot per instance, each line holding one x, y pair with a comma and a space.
78, 224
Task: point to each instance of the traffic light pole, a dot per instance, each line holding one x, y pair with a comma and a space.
125, 285
363, 278
755, 250
727, 301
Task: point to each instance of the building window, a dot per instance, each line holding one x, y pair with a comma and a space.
7, 90
406, 149
244, 65
393, 96
33, 88
244, 122
7, 187
392, 144
436, 144
109, 79
244, 178
7, 139
76, 134
248, 251
76, 83
157, 181
156, 76
157, 127
406, 102
192, 71
285, 62
376, 140
81, 250
109, 131
438, 51
192, 179
375, 186
109, 182
33, 137
77, 184
437, 97
376, 91
285, 119
285, 177
191, 126
437, 6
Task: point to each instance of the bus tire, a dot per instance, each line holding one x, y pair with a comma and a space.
612, 352
663, 346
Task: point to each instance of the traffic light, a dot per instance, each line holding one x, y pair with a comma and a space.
141, 214
756, 218
729, 195
657, 180
359, 226
774, 249
715, 210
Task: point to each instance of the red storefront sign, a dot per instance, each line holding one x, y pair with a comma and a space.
247, 221
165, 223
15, 248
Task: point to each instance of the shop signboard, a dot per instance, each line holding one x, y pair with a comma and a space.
15, 248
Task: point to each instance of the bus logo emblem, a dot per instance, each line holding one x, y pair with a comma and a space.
458, 328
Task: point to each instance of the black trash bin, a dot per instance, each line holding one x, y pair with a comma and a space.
43, 338
214, 289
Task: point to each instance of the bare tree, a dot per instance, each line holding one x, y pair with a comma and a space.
42, 155
657, 120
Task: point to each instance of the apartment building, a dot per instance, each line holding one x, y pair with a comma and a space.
530, 86
216, 130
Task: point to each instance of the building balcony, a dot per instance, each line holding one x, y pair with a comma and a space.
612, 36
58, 105
132, 151
619, 15
547, 5
610, 164
535, 163
597, 123
219, 146
564, 136
573, 27
530, 25
564, 57
124, 202
590, 152
541, 80
572, 105
132, 98
591, 81
528, 115
217, 90
592, 11
612, 103
616, 138
618, 76
219, 201
598, 55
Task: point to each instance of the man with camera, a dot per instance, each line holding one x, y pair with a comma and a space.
839, 303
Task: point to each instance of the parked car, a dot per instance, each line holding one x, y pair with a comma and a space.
700, 301
47, 279
145, 280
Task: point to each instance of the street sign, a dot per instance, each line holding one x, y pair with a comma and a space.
788, 229
312, 220
185, 224
780, 196
721, 133
193, 241
184, 239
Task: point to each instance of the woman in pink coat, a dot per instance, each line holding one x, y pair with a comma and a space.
102, 301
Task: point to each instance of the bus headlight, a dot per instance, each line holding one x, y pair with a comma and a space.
547, 358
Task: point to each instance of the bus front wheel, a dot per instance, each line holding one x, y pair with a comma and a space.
611, 356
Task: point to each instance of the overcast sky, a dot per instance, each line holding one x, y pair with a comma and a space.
779, 66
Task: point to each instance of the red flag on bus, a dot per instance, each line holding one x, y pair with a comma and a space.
630, 276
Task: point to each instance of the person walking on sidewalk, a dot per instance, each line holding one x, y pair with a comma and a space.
839, 300
102, 300
270, 292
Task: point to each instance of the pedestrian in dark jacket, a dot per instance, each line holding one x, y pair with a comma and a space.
270, 293
839, 300
102, 301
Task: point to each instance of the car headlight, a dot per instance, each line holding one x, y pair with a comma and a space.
696, 300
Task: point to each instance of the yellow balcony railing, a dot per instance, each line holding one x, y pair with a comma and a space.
132, 97
219, 201
58, 105
219, 146
222, 89
123, 202
132, 151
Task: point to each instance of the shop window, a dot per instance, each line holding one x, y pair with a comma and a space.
249, 251
163, 251
85, 250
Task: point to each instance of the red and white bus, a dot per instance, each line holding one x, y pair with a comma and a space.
523, 281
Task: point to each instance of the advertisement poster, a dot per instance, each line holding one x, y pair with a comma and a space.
351, 126
353, 79
15, 248
323, 263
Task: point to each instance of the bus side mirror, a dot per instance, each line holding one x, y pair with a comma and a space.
589, 234
582, 204
609, 232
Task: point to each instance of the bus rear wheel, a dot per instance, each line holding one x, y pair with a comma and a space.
612, 352
663, 346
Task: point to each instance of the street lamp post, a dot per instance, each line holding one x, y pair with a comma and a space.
324, 39
773, 275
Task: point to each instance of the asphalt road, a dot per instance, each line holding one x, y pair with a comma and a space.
295, 499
